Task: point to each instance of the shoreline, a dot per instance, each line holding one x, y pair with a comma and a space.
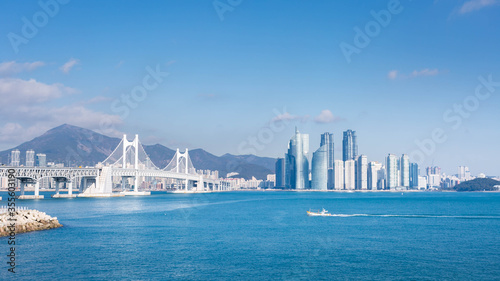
275, 190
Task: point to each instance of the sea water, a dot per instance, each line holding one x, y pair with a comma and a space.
264, 236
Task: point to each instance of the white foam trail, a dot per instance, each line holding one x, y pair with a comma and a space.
416, 216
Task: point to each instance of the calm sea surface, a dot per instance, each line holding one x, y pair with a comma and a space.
264, 236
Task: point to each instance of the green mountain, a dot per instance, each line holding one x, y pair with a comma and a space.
483, 184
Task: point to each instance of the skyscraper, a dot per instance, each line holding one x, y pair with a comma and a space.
30, 158
349, 146
338, 174
320, 169
405, 170
41, 160
14, 157
414, 174
392, 171
381, 178
349, 175
280, 173
362, 173
434, 177
463, 173
373, 175
433, 171
297, 164
327, 139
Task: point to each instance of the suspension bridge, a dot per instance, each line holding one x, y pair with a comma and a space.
126, 164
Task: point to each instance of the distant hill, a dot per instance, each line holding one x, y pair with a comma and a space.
75, 146
483, 184
68, 144
266, 162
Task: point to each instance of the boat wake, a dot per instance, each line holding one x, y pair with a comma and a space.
416, 216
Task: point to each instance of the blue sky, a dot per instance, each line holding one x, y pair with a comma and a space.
233, 73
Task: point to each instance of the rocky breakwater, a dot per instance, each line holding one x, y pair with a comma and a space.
26, 221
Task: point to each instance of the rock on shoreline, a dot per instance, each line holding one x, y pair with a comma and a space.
27, 220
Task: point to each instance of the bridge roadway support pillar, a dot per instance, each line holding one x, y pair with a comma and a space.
101, 186
70, 188
24, 196
58, 184
136, 191
186, 184
201, 184
124, 184
136, 183
37, 188
83, 186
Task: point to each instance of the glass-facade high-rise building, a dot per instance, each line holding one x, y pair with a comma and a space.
338, 174
362, 173
350, 174
41, 160
405, 170
30, 158
414, 173
349, 146
373, 175
297, 164
15, 156
433, 171
320, 169
463, 173
392, 172
280, 173
327, 140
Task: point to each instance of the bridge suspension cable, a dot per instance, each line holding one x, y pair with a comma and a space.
130, 155
181, 163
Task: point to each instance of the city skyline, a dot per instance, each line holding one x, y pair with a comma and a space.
327, 139
353, 172
395, 92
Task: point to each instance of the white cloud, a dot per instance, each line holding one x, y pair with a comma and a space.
96, 99
475, 5
12, 67
15, 90
289, 117
66, 68
39, 119
29, 114
393, 74
326, 116
11, 133
425, 72
77, 115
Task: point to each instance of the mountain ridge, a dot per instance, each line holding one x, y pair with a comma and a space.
76, 146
